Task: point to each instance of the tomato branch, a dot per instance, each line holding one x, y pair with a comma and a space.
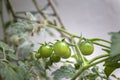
98, 39
101, 45
80, 54
60, 29
98, 57
86, 67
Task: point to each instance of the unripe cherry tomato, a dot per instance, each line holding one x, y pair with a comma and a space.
37, 55
45, 50
86, 47
62, 49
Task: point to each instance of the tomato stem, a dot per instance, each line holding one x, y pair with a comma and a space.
98, 39
98, 57
97, 62
61, 29
80, 54
101, 45
78, 73
86, 67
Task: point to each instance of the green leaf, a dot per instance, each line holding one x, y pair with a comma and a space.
39, 68
13, 56
112, 63
109, 70
20, 27
64, 72
4, 46
25, 49
23, 73
8, 73
115, 46
88, 74
12, 65
110, 67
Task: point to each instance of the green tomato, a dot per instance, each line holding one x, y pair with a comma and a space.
86, 47
62, 49
37, 55
55, 58
45, 50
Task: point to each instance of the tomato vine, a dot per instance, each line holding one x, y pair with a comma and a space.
18, 57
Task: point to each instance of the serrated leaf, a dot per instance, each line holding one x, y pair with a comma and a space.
23, 73
13, 56
114, 59
20, 27
13, 65
64, 72
112, 64
109, 70
39, 68
25, 49
115, 46
110, 67
8, 73
4, 46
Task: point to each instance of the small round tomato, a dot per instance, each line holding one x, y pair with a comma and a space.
37, 55
45, 50
86, 47
62, 49
54, 58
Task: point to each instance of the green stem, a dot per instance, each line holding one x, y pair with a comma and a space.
86, 67
4, 60
98, 57
4, 54
80, 54
61, 29
98, 39
101, 45
78, 73
90, 65
74, 50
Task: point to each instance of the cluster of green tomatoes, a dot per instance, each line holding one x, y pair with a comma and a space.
61, 49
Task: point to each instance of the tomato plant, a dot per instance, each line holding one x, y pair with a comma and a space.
23, 59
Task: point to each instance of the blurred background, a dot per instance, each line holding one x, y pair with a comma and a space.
91, 18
